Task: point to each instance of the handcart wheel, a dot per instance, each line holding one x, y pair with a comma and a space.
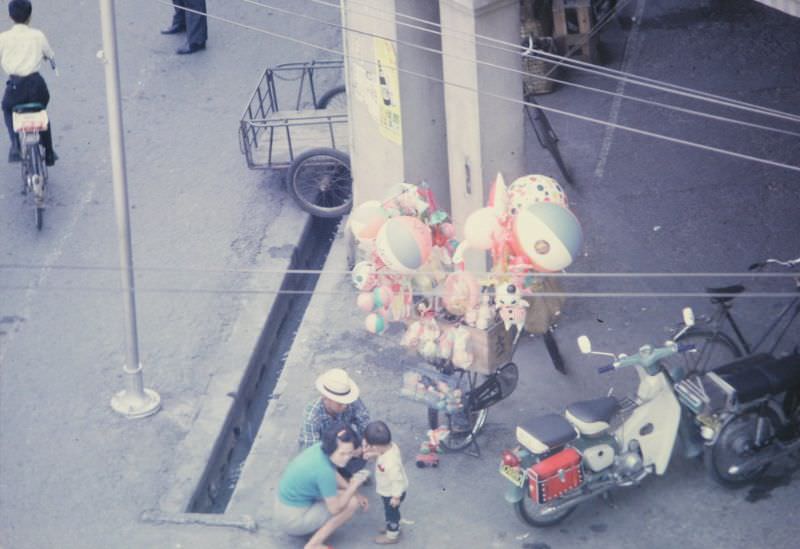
463, 425
321, 182
333, 98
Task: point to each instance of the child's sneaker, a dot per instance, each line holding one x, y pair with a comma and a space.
387, 539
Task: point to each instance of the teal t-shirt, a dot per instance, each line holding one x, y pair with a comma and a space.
309, 477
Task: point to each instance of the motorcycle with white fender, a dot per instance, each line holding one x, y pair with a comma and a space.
602, 443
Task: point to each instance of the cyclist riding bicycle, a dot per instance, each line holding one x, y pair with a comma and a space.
22, 50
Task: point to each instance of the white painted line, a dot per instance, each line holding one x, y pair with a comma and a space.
628, 59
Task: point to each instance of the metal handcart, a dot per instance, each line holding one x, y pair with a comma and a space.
297, 119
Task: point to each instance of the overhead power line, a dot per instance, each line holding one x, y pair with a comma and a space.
585, 118
535, 53
578, 65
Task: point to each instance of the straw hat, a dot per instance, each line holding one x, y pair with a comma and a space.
336, 385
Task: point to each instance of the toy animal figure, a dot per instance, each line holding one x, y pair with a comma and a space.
462, 355
430, 449
510, 305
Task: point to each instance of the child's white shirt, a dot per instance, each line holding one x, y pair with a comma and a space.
390, 476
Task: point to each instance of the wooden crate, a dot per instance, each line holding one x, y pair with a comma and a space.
491, 348
582, 42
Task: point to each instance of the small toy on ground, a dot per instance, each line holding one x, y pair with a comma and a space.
430, 449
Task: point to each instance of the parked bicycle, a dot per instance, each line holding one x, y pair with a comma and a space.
718, 337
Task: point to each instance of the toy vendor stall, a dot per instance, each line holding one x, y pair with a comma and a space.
464, 325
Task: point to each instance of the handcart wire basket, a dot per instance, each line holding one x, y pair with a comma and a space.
297, 119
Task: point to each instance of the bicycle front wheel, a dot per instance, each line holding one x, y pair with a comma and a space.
465, 424
712, 349
321, 183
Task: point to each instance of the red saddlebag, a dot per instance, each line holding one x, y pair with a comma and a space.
555, 475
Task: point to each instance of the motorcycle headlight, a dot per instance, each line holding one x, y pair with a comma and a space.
707, 432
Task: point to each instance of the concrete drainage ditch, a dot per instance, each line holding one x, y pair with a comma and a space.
215, 488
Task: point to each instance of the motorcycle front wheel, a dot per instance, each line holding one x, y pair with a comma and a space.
734, 445
534, 513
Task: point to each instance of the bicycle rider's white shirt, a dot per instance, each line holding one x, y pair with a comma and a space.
22, 49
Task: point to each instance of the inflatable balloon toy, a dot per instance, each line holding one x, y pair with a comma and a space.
363, 276
548, 235
403, 244
460, 293
366, 219
531, 189
481, 228
378, 299
375, 323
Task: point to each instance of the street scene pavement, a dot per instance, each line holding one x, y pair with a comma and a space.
212, 240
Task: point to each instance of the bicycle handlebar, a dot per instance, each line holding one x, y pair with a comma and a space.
647, 356
761, 264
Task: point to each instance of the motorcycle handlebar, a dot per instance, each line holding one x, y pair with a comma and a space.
604, 369
684, 347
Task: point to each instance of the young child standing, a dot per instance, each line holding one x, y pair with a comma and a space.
391, 481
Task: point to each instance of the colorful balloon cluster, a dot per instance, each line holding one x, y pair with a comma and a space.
410, 249
407, 242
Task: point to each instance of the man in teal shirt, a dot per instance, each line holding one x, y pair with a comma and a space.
311, 497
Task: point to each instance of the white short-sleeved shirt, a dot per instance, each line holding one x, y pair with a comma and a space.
22, 49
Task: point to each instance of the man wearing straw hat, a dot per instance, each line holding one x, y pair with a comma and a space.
338, 402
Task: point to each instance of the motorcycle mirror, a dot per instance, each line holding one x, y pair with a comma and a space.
688, 317
584, 344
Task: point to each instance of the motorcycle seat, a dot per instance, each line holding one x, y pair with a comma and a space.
592, 416
759, 375
732, 290
544, 433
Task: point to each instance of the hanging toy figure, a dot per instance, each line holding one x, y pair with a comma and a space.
510, 305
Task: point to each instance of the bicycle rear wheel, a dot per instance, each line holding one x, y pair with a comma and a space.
465, 424
712, 349
38, 176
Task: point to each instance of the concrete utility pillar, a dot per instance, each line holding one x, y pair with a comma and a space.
397, 123
484, 134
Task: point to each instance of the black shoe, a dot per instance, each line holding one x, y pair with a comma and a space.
13, 154
190, 48
50, 158
174, 29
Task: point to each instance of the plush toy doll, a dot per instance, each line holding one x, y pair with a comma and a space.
510, 305
446, 341
410, 339
462, 355
485, 313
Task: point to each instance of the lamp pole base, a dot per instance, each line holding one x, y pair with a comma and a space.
135, 406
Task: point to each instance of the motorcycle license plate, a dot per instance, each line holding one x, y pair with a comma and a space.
515, 474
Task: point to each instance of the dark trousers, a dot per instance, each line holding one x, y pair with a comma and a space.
26, 89
392, 514
196, 25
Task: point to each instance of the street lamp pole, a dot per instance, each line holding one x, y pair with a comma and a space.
134, 401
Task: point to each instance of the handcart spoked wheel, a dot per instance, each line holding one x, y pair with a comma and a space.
321, 182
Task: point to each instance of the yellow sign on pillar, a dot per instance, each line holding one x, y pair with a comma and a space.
388, 90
